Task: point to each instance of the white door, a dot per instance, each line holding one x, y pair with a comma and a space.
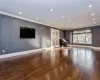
55, 37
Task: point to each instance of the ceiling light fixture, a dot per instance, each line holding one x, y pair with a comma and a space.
69, 21
20, 12
48, 22
62, 16
94, 19
51, 10
37, 18
93, 14
90, 6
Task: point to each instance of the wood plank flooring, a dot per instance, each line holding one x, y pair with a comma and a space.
53, 64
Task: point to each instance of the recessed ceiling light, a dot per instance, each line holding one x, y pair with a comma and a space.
48, 22
69, 21
93, 18
90, 5
95, 22
92, 14
37, 18
62, 16
20, 12
51, 10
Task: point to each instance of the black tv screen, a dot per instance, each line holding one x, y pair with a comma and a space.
27, 32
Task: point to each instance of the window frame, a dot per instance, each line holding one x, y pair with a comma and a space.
85, 37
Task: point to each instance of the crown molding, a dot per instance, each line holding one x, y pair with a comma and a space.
22, 18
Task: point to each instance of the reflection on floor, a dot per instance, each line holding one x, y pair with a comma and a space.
54, 64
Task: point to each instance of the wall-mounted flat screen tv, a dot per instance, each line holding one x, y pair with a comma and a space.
27, 32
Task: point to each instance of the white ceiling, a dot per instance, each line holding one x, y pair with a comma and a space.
77, 11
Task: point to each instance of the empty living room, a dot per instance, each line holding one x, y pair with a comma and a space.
49, 40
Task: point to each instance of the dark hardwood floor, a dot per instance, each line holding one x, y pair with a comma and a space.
54, 64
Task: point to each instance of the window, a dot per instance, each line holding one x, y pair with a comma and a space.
75, 38
82, 37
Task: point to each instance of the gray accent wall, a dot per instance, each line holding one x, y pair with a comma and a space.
62, 34
96, 36
68, 36
10, 35
0, 32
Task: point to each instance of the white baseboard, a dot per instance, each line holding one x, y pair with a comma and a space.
22, 53
42, 49
90, 47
